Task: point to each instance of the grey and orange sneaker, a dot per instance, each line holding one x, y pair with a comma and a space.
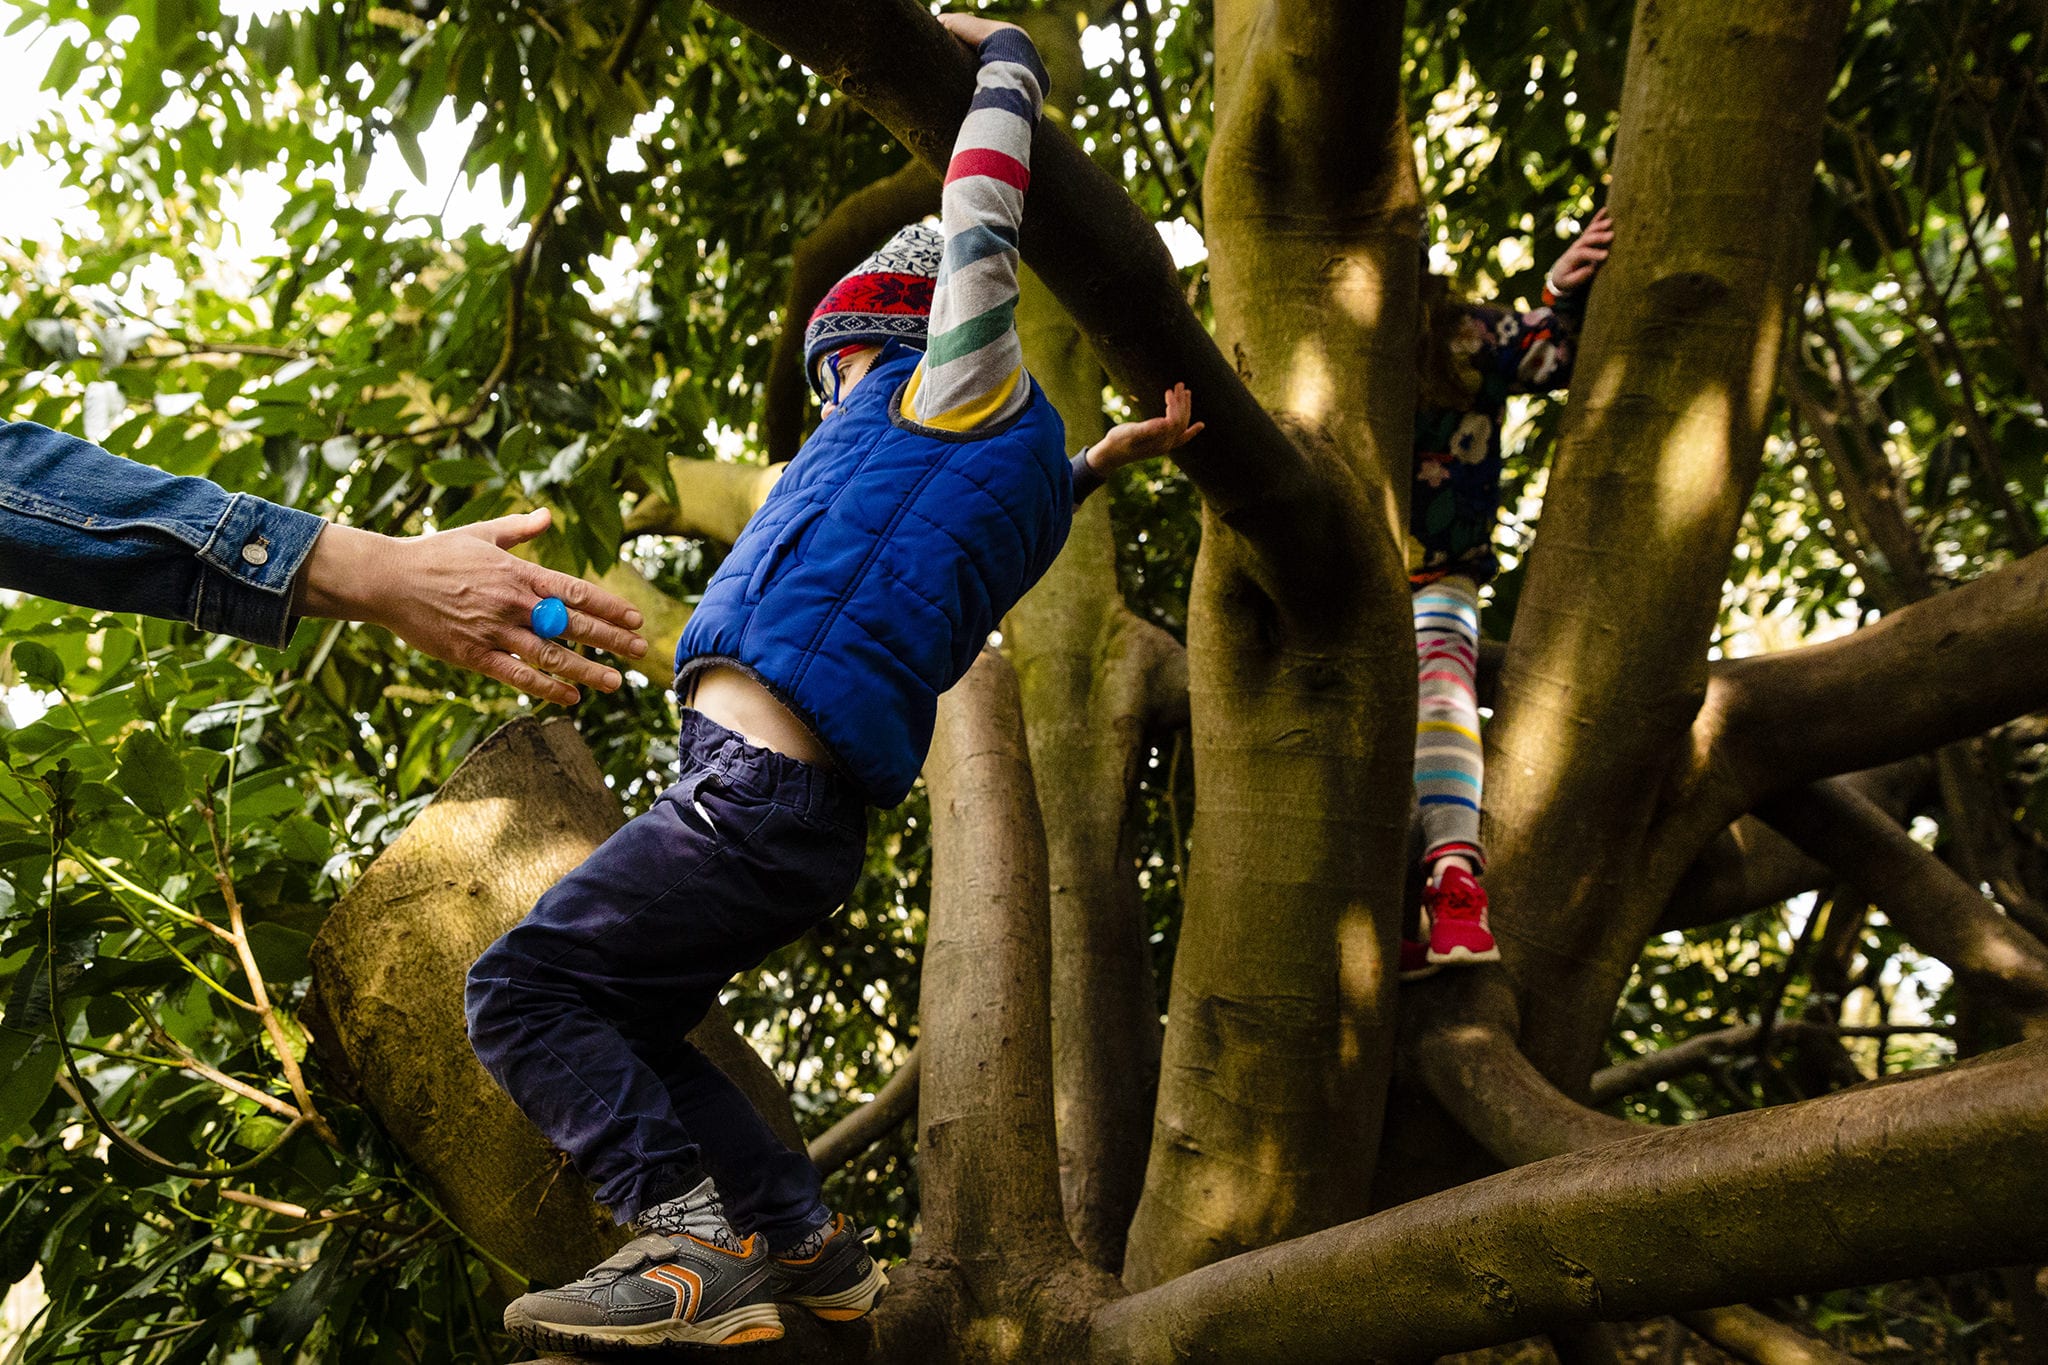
830, 1273
690, 1280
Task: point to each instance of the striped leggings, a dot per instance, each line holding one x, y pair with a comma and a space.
1448, 764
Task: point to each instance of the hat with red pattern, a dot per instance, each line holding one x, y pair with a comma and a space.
887, 297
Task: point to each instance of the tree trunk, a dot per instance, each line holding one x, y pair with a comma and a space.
1093, 678
1720, 129
1301, 664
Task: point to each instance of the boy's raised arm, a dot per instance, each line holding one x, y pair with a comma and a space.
973, 371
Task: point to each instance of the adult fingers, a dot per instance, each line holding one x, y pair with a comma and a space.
587, 598
1190, 434
505, 532
586, 629
563, 663
506, 669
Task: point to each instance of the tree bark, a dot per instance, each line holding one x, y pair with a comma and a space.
1794, 1199
1091, 673
988, 1164
1929, 674
389, 965
1720, 129
1300, 655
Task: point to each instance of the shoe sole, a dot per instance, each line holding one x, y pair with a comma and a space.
743, 1326
1437, 959
848, 1304
1420, 973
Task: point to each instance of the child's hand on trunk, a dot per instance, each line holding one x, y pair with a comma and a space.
1584, 257
971, 28
1131, 442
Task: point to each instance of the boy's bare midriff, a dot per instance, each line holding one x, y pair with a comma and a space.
737, 701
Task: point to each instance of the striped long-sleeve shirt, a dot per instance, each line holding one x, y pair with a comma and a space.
973, 375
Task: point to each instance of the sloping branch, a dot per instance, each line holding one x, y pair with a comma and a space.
1696, 1052
1082, 233
873, 1121
1793, 1199
1761, 1339
1929, 674
1941, 913
715, 501
1461, 1042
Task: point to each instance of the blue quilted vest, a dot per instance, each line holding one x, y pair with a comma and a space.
872, 576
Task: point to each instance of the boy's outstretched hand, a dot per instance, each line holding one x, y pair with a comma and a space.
1130, 442
1584, 257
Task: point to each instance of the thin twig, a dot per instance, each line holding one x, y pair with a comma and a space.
272, 1025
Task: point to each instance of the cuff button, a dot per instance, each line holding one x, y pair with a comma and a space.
255, 554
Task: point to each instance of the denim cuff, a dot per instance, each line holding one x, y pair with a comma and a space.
251, 563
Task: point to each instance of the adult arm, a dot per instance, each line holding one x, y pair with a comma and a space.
81, 525
972, 375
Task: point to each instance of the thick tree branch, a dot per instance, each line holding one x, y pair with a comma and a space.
873, 1121
1761, 1339
715, 501
988, 1166
1462, 1027
860, 223
1082, 233
1747, 867
1793, 1199
1926, 675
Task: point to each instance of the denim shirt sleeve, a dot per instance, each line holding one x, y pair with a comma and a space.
80, 525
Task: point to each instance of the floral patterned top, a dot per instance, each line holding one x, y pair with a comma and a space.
1456, 498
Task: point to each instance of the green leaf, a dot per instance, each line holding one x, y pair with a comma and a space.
457, 473
28, 1071
150, 774
305, 840
280, 952
38, 663
291, 1315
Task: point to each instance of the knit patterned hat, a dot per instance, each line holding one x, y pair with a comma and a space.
889, 295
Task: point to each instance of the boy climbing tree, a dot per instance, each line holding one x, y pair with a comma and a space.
935, 492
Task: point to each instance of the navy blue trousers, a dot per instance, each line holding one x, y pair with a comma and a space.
580, 1010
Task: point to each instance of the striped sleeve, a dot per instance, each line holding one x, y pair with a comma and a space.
972, 375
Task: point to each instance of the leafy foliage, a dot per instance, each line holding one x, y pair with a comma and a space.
391, 369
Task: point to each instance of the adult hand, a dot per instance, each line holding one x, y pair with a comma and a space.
458, 596
1584, 257
971, 28
1129, 442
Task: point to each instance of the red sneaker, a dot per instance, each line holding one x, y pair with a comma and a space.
1415, 963
1457, 919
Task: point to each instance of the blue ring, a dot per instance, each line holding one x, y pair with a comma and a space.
549, 618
